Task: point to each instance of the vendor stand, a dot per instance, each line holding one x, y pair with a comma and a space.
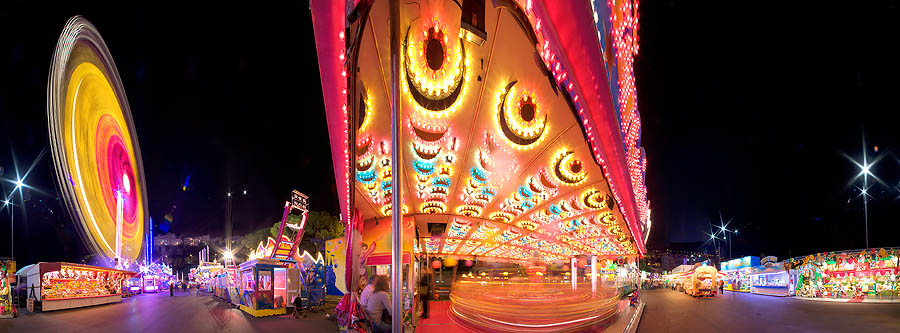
62, 285
703, 281
771, 279
204, 274
848, 274
737, 273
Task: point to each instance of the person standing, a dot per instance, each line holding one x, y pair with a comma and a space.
426, 288
171, 289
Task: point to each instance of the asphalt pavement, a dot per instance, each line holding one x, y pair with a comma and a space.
186, 312
672, 311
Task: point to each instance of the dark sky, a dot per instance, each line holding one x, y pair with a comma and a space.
747, 109
229, 96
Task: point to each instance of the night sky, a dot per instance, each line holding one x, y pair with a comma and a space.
747, 109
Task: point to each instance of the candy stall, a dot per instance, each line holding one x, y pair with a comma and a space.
62, 285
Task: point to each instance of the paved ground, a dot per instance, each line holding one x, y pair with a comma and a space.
672, 311
185, 312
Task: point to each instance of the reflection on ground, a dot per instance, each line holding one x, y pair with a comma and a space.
523, 305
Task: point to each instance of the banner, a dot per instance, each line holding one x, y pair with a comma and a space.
335, 259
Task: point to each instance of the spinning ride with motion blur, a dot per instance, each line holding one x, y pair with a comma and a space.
95, 148
511, 130
99, 171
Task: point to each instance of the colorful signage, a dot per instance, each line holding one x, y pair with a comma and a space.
299, 201
335, 256
745, 262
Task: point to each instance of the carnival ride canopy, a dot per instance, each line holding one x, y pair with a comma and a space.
496, 145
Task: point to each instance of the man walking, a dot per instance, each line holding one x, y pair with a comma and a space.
171, 289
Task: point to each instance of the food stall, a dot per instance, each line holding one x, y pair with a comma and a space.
703, 282
62, 285
771, 279
737, 273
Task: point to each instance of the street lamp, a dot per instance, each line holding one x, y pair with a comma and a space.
724, 229
865, 170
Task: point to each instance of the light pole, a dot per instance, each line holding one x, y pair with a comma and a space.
865, 170
19, 184
723, 226
9, 205
228, 216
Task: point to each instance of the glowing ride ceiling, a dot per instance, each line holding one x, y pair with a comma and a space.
496, 142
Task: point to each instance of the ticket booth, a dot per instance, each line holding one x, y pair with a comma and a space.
266, 285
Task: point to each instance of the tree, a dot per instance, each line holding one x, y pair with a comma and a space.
320, 226
251, 240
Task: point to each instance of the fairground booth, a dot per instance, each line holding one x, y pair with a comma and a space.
737, 273
276, 273
856, 274
62, 285
772, 278
264, 286
155, 277
499, 134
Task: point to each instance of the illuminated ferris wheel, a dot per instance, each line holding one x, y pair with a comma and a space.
94, 145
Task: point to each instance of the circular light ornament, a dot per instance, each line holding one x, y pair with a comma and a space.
435, 72
527, 225
567, 169
520, 118
593, 199
606, 217
95, 149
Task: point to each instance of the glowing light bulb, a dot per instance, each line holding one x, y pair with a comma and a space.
126, 183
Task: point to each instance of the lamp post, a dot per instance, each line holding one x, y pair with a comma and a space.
865, 170
9, 205
723, 226
19, 184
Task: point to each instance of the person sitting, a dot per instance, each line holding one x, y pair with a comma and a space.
367, 291
378, 302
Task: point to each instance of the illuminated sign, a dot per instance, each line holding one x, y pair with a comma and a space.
299, 201
745, 262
